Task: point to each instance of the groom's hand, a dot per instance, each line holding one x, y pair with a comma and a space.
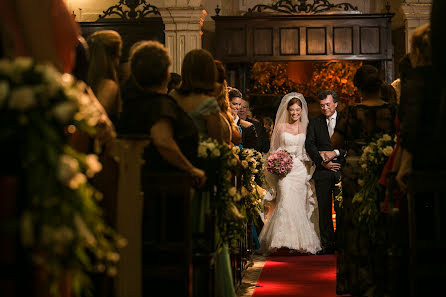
332, 166
328, 155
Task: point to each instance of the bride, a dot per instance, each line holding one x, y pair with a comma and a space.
293, 222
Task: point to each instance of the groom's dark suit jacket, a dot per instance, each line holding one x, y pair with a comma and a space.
318, 140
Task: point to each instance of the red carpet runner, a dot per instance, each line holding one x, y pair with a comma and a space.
297, 275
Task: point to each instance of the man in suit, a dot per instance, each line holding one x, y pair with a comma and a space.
262, 136
328, 164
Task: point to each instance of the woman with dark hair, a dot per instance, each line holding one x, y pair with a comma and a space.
196, 93
358, 125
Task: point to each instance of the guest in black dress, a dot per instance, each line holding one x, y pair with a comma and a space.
358, 273
147, 109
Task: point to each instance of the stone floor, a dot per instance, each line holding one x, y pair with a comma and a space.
250, 277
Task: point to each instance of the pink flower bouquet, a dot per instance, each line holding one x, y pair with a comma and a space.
280, 162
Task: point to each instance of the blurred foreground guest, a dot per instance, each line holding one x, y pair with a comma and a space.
360, 259
43, 30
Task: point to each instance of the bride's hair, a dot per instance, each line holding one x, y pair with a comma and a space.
294, 101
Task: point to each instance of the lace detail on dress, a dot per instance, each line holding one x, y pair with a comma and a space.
294, 222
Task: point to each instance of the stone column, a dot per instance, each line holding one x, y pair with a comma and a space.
415, 15
182, 32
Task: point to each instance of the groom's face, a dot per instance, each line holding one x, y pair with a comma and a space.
328, 106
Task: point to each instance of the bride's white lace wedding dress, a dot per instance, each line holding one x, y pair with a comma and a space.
293, 223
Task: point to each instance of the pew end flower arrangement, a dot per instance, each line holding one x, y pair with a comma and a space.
372, 161
234, 205
61, 224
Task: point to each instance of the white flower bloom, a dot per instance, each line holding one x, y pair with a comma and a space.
360, 182
23, 63
67, 79
63, 112
386, 137
22, 98
216, 152
68, 167
210, 145
232, 191
245, 164
236, 150
387, 151
77, 180
363, 165
93, 165
113, 257
202, 152
234, 162
4, 90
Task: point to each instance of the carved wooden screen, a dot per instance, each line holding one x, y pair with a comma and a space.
304, 37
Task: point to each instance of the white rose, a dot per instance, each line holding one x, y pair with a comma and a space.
4, 90
68, 167
386, 137
113, 257
210, 145
388, 150
245, 164
202, 152
232, 191
23, 63
363, 166
22, 98
77, 180
64, 111
216, 152
93, 165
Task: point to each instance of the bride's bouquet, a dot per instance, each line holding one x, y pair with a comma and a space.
280, 163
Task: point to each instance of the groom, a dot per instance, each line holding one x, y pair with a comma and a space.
327, 161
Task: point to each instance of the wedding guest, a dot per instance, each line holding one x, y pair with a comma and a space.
147, 109
358, 268
262, 137
105, 50
248, 131
174, 82
269, 125
196, 93
231, 133
30, 26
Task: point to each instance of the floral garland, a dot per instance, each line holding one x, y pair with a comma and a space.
372, 161
62, 227
234, 205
